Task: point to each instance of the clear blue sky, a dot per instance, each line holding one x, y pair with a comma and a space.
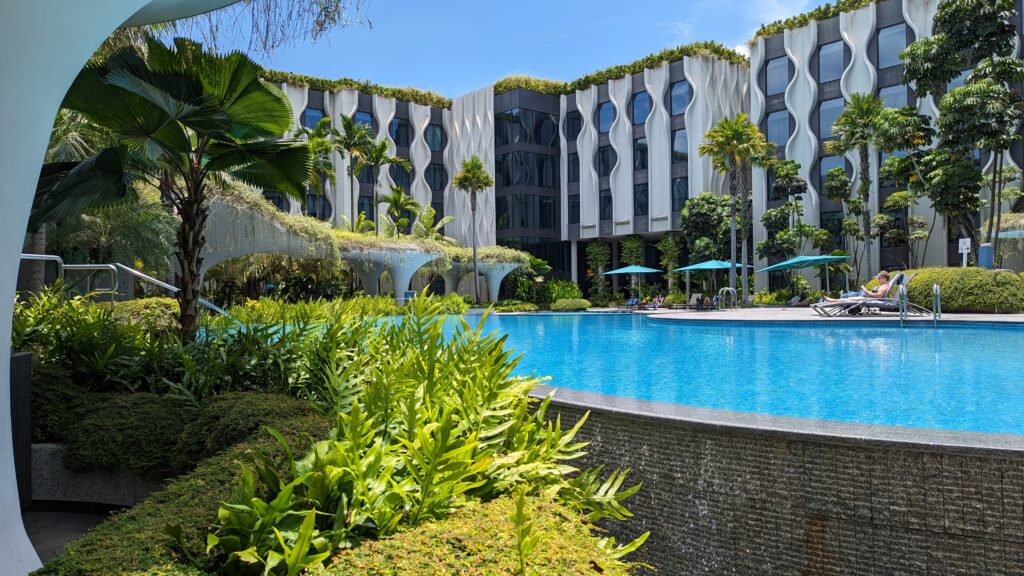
454, 46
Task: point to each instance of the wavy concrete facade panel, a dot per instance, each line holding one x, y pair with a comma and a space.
719, 91
801, 98
563, 169
297, 96
620, 137
384, 113
586, 147
920, 17
419, 153
346, 191
470, 127
759, 182
658, 130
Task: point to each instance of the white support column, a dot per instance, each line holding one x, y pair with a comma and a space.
384, 112
586, 147
658, 129
620, 137
343, 103
574, 260
801, 98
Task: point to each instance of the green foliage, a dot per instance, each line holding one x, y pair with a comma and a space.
55, 400
560, 289
514, 306
823, 12
705, 226
132, 432
968, 289
158, 315
631, 250
526, 538
599, 256
671, 248
541, 85
424, 97
570, 305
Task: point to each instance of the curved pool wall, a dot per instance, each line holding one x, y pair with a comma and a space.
738, 493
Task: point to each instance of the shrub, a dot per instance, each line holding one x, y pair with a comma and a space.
158, 315
674, 298
559, 289
228, 419
514, 306
968, 289
450, 303
570, 305
133, 432
55, 399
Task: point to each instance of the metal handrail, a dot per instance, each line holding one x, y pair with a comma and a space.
936, 304
170, 288
731, 292
902, 300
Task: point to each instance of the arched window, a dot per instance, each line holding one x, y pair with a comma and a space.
681, 94
605, 117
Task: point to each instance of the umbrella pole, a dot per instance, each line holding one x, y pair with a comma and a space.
687, 287
827, 271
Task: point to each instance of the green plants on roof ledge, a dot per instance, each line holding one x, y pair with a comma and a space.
823, 12
424, 97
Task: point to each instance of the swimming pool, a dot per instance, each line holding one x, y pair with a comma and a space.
968, 377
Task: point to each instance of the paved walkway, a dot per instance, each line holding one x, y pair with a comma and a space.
806, 314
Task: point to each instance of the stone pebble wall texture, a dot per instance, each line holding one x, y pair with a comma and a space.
722, 501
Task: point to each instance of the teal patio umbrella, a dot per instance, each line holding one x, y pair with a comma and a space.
801, 262
633, 269
707, 265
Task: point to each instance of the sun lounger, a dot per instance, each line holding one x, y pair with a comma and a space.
862, 305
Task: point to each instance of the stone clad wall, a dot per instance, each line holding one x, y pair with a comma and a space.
729, 501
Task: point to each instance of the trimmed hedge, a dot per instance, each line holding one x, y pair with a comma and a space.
158, 315
570, 305
968, 289
514, 306
823, 12
479, 540
424, 97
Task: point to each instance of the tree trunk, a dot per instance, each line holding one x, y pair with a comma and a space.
997, 200
732, 228
476, 277
865, 197
35, 243
193, 212
745, 232
376, 207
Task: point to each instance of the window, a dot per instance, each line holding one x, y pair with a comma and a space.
436, 177
364, 118
776, 76
316, 206
311, 117
641, 107
828, 111
277, 199
545, 129
680, 192
399, 131
640, 154
547, 176
833, 222
605, 117
679, 146
605, 160
574, 167
893, 96
824, 166
830, 61
399, 176
502, 213
573, 125
891, 41
366, 206
778, 127
574, 209
681, 94
434, 137
640, 200
438, 211
547, 212
605, 204
366, 175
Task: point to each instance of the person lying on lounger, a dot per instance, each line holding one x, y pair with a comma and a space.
879, 291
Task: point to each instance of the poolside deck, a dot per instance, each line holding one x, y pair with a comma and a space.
775, 314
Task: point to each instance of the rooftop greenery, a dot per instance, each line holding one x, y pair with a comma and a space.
424, 97
823, 12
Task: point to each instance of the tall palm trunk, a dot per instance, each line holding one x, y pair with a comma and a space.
865, 197
745, 220
376, 206
476, 277
997, 200
732, 226
193, 211
35, 243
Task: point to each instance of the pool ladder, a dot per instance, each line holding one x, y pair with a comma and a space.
901, 298
732, 294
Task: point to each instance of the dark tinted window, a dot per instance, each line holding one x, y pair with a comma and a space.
891, 41
679, 146
438, 211
824, 165
605, 204
680, 192
399, 131
605, 160
434, 137
640, 154
893, 96
830, 61
574, 167
312, 116
640, 200
681, 94
833, 222
364, 118
366, 176
574, 209
502, 214
277, 199
316, 206
828, 111
399, 176
641, 107
573, 125
776, 76
436, 177
777, 127
605, 117
366, 206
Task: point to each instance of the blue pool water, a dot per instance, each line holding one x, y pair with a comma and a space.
955, 378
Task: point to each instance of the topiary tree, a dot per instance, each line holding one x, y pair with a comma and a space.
671, 247
599, 255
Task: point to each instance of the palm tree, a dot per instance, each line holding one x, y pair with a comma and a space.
734, 144
857, 128
425, 226
323, 140
360, 224
375, 157
353, 139
400, 203
473, 178
180, 116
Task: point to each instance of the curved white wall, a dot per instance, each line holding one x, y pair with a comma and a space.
342, 103
470, 127
586, 147
297, 96
658, 129
759, 182
563, 168
801, 98
719, 91
621, 139
419, 153
384, 112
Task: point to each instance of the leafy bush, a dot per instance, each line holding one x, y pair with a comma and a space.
968, 289
54, 401
133, 432
561, 289
228, 419
823, 12
158, 315
418, 96
514, 306
451, 303
570, 305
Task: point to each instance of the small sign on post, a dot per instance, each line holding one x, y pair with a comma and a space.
965, 249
